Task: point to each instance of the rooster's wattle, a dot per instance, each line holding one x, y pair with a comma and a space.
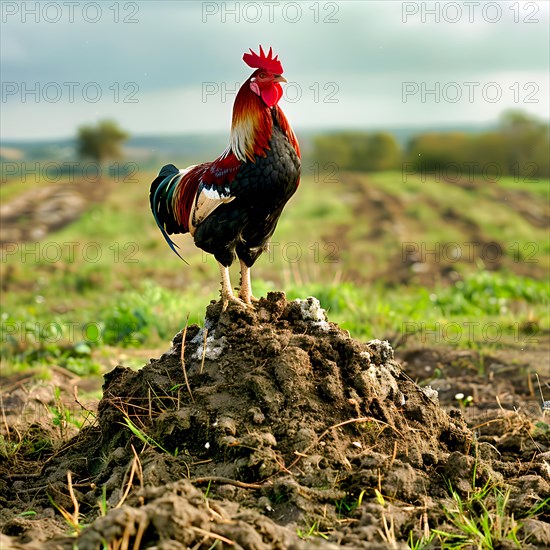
231, 205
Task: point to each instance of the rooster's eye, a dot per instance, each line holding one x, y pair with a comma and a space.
262, 75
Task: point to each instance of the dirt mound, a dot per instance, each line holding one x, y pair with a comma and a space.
277, 425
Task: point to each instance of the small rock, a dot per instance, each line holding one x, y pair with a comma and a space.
257, 415
381, 351
312, 311
431, 393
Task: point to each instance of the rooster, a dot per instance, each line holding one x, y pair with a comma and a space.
231, 205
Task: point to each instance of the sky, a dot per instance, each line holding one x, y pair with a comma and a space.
173, 67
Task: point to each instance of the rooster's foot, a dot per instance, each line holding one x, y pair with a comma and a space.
226, 300
248, 299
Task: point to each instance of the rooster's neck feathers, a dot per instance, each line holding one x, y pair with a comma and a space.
251, 127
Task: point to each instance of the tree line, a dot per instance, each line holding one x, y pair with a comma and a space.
518, 146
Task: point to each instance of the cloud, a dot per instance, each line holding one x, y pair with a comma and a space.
169, 51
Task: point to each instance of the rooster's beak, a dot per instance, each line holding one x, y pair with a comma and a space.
279, 78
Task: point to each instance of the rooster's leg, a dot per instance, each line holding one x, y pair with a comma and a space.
245, 294
227, 291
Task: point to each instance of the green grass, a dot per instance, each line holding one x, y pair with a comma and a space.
482, 520
108, 282
483, 303
143, 437
310, 531
485, 310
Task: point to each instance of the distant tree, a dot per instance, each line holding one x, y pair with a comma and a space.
358, 151
437, 152
102, 141
488, 155
383, 152
332, 148
358, 144
513, 119
527, 145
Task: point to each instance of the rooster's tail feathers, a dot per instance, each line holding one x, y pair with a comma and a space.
161, 198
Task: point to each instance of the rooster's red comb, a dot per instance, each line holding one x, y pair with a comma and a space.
262, 61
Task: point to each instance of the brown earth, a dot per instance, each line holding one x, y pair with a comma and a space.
280, 426
35, 214
389, 223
